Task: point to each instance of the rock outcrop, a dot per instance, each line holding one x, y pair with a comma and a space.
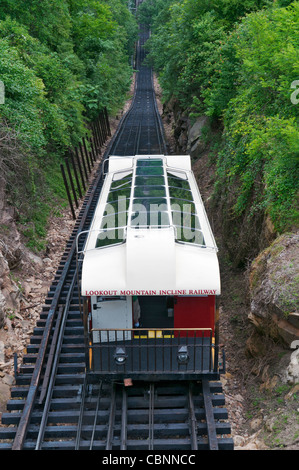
196, 144
291, 374
274, 287
10, 257
274, 283
189, 134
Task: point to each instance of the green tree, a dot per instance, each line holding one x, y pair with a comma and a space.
236, 61
48, 21
61, 62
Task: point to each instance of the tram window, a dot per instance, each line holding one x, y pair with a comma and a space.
148, 218
179, 174
185, 219
149, 162
150, 191
188, 235
119, 205
121, 180
149, 204
108, 237
149, 181
148, 170
152, 200
122, 192
180, 193
178, 182
119, 219
182, 205
122, 183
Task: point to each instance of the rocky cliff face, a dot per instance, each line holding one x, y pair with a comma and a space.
274, 287
10, 258
189, 136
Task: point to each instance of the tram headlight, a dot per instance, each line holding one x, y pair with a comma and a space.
120, 356
183, 355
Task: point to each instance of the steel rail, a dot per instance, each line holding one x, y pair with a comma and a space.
151, 423
57, 342
121, 131
209, 413
96, 416
49, 394
192, 418
124, 420
111, 424
51, 356
81, 414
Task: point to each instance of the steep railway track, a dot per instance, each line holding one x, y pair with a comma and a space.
55, 404
141, 130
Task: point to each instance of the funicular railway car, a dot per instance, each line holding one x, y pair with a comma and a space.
150, 276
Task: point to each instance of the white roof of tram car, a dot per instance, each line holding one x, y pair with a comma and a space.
150, 261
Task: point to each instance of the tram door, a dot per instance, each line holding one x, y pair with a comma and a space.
113, 313
197, 312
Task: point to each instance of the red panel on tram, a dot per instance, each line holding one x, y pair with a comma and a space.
197, 312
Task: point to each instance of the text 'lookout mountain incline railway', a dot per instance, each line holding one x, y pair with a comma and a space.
56, 403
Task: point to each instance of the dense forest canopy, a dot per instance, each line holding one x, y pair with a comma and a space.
61, 62
237, 62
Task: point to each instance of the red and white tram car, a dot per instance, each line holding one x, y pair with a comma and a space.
150, 276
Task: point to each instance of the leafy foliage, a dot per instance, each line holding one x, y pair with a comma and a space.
236, 61
261, 122
61, 62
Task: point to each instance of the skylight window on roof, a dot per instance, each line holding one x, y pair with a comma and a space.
184, 216
149, 162
150, 218
176, 182
179, 187
179, 193
188, 229
149, 181
124, 182
149, 170
157, 202
149, 203
110, 237
114, 195
184, 219
182, 205
187, 235
119, 205
180, 174
150, 191
112, 229
114, 220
